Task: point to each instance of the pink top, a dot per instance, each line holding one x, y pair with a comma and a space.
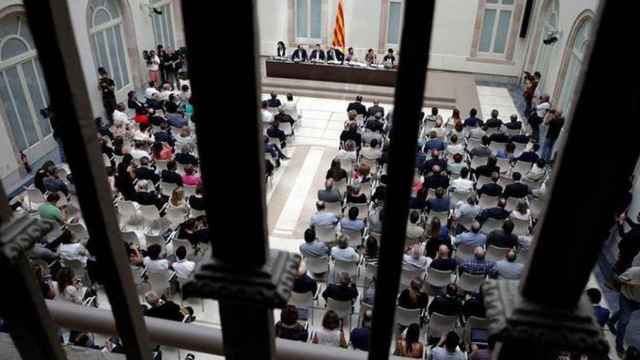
192, 180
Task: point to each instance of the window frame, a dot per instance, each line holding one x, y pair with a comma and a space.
306, 39
499, 7
165, 4
388, 44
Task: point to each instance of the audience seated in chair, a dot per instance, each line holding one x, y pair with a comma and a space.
447, 303
189, 177
437, 235
409, 344
443, 260
165, 309
463, 183
440, 203
516, 189
508, 268
303, 283
146, 195
503, 238
414, 260
344, 252
473, 238
329, 194
477, 265
288, 327
323, 217
312, 247
447, 347
330, 333
185, 156
413, 297
498, 213
336, 172
50, 210
342, 290
351, 221
153, 262
183, 267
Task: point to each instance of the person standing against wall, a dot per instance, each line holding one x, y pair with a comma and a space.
107, 86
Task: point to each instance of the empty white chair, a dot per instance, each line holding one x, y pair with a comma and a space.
349, 267
326, 233
441, 324
35, 197
406, 317
176, 215
491, 224
149, 213
159, 281
355, 237
166, 189
186, 244
334, 207
495, 253
438, 278
470, 282
106, 160
487, 202
317, 265
128, 211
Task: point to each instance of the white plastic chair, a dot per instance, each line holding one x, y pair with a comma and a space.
131, 238
176, 215
342, 308
406, 317
487, 202
159, 281
149, 213
491, 224
155, 239
441, 324
495, 253
407, 275
317, 265
355, 237
334, 207
78, 231
522, 167
504, 165
470, 282
326, 233
474, 322
520, 227
438, 278
481, 180
456, 196
350, 267
464, 252
128, 211
166, 189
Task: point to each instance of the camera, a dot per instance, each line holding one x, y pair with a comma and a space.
146, 56
551, 38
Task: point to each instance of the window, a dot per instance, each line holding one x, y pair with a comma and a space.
22, 88
548, 24
308, 20
496, 25
581, 40
394, 24
107, 42
163, 23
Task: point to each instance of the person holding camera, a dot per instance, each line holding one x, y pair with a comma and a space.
106, 85
530, 85
153, 66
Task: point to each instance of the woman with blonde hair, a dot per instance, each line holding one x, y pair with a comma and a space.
177, 199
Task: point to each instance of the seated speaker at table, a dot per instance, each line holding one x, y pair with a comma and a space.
299, 54
317, 54
281, 51
334, 54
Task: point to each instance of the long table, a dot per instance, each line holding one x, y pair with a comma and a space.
330, 72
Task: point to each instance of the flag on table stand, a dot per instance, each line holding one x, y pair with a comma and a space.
338, 31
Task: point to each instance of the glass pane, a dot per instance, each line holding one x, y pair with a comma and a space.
14, 122
301, 18
22, 106
487, 30
123, 57
13, 47
25, 33
170, 39
503, 30
101, 51
315, 20
165, 29
8, 26
43, 84
113, 7
113, 52
100, 17
492, 1
155, 21
393, 30
31, 79
507, 2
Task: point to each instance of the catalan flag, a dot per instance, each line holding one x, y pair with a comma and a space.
338, 31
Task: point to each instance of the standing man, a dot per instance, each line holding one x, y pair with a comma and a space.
537, 116
629, 302
554, 122
107, 89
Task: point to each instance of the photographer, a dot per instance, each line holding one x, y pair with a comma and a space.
153, 66
106, 85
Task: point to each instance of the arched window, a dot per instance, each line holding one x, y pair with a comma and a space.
23, 91
107, 42
581, 39
162, 19
548, 24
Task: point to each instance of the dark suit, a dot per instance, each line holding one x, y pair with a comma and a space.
513, 125
171, 177
490, 189
284, 117
375, 109
497, 213
347, 135
164, 136
502, 240
499, 138
445, 305
444, 264
358, 107
317, 55
186, 159
197, 203
374, 125
436, 181
299, 55
274, 132
493, 123
528, 156
474, 307
168, 311
329, 196
427, 166
144, 173
520, 139
148, 198
335, 55
516, 190
340, 292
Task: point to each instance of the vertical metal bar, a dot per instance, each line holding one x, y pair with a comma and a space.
52, 29
588, 182
414, 57
30, 325
248, 159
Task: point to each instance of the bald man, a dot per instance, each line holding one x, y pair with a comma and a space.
443, 261
437, 179
477, 265
508, 268
473, 238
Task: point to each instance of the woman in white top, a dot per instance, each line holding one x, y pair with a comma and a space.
69, 288
521, 212
184, 137
153, 65
290, 107
331, 332
454, 147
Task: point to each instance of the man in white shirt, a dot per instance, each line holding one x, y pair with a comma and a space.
454, 146
183, 267
415, 232
166, 91
414, 260
120, 116
267, 116
139, 151
151, 90
343, 251
153, 262
540, 112
70, 251
372, 152
462, 184
290, 107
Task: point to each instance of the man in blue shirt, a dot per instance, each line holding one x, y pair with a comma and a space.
312, 247
360, 336
601, 313
323, 217
440, 203
351, 222
434, 143
473, 238
472, 120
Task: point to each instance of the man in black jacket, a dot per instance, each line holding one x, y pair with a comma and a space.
516, 189
342, 290
334, 54
492, 188
299, 54
498, 212
145, 172
503, 238
169, 175
376, 108
447, 304
357, 106
317, 54
164, 309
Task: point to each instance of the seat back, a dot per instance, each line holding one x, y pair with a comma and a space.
495, 253
370, 271
162, 164
176, 215
326, 233
187, 245
342, 308
487, 201
443, 216
504, 165
406, 317
464, 251
474, 322
457, 196
131, 238
441, 324
159, 281
167, 188
126, 208
341, 186
189, 190
347, 165
303, 300
317, 264
78, 231
470, 282
522, 167
334, 207
521, 227
438, 278
491, 224
355, 237
482, 180
478, 161
519, 149
153, 239
536, 205
149, 212
409, 274
350, 267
